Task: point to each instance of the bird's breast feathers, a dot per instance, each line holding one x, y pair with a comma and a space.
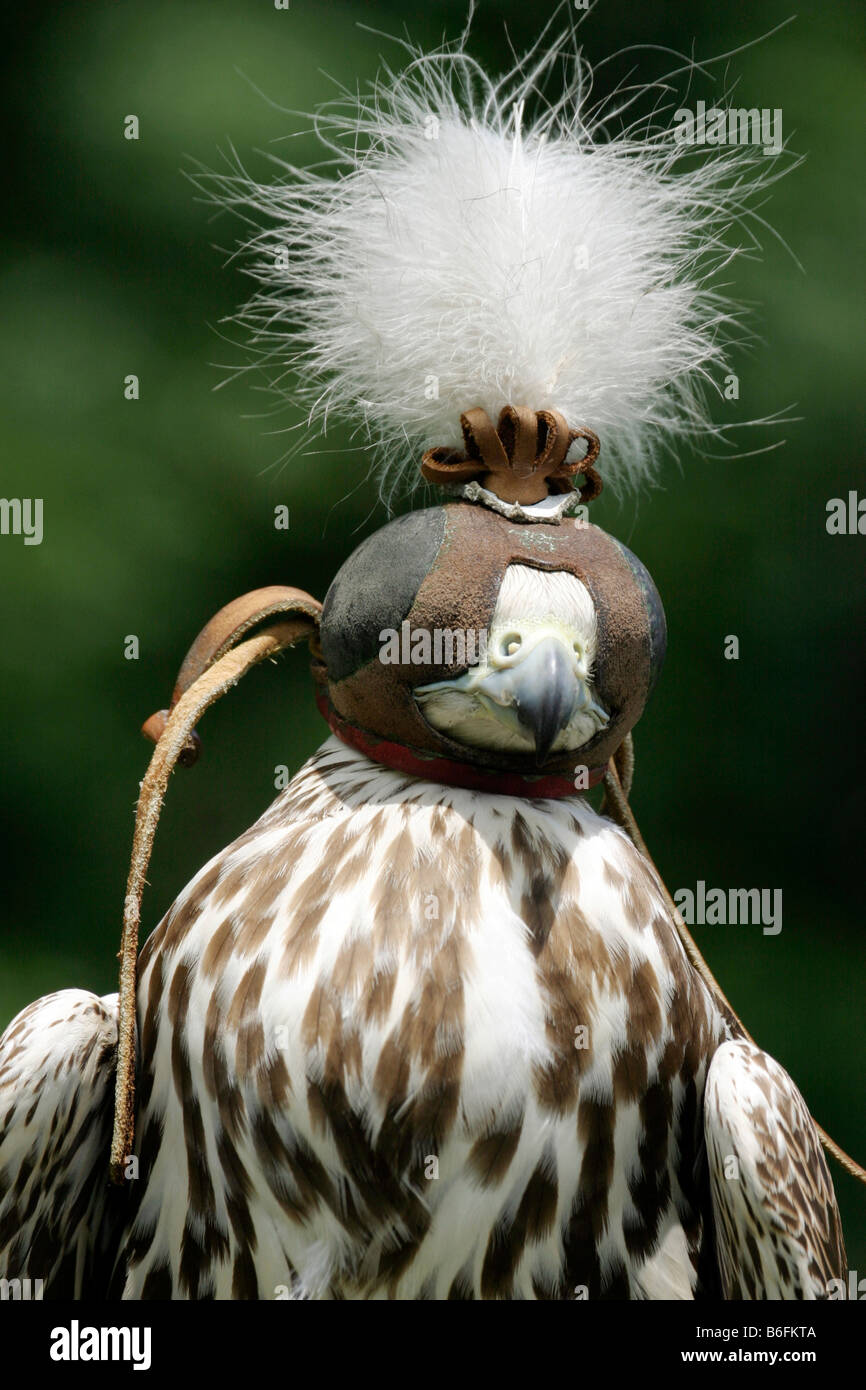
430, 1021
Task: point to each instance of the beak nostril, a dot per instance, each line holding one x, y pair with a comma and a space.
510, 644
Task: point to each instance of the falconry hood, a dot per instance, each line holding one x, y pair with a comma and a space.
415, 608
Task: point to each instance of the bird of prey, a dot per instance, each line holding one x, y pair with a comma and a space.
404, 1039
428, 1029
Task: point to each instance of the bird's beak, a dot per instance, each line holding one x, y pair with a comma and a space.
542, 689
535, 686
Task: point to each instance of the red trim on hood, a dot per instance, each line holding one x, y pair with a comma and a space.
449, 771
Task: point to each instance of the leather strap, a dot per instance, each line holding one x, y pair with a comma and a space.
214, 663
225, 629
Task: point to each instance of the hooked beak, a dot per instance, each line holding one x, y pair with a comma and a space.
542, 690
538, 689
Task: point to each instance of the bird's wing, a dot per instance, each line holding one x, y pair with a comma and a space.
778, 1232
58, 1217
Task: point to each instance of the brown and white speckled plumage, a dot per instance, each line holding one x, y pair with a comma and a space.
359, 1076
779, 1233
58, 1220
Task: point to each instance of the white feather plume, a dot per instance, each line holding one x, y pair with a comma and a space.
457, 251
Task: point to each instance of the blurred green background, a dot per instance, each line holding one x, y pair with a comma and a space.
158, 511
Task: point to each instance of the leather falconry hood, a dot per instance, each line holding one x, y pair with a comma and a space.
441, 569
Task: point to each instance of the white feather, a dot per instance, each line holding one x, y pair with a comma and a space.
457, 252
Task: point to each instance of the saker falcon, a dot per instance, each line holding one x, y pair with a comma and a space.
419, 1036
429, 1030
